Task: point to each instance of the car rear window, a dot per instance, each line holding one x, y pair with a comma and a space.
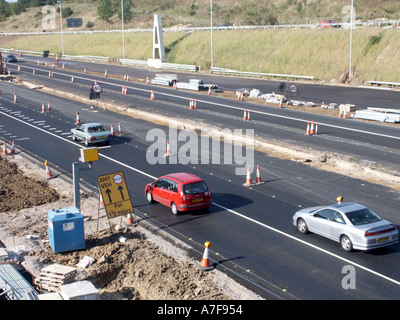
363, 216
194, 188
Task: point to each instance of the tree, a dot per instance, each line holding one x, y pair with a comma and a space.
127, 9
105, 10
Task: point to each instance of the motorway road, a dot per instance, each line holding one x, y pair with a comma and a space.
362, 97
253, 239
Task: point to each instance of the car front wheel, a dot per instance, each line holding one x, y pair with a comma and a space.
302, 226
149, 197
346, 243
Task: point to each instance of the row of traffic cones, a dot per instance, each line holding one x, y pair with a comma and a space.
258, 181
44, 110
311, 129
119, 129
5, 151
343, 114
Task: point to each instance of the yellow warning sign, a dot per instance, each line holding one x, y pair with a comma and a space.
115, 194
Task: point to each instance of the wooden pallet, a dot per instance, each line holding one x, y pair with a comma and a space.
54, 276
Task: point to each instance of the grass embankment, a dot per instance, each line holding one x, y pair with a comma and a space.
313, 52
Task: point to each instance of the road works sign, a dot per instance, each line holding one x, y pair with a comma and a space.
115, 194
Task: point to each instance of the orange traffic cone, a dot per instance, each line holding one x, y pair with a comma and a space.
312, 128
112, 130
119, 129
4, 148
339, 199
15, 97
248, 115
48, 173
43, 110
72, 79
12, 148
308, 129
168, 150
209, 91
316, 129
77, 118
48, 106
248, 178
152, 95
258, 176
101, 201
129, 219
205, 261
245, 115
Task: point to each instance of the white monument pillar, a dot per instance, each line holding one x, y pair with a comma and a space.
158, 44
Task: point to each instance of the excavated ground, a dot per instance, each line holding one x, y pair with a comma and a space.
144, 267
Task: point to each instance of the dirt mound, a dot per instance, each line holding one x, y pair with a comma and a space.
16, 191
131, 263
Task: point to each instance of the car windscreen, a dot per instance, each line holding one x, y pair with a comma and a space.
363, 216
194, 188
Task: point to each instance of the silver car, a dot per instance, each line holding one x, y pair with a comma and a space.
91, 133
352, 225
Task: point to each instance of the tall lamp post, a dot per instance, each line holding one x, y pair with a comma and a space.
211, 11
123, 36
351, 36
61, 23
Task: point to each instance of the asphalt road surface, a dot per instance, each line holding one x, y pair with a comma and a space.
250, 228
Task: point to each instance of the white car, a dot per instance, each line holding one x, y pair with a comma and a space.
353, 225
91, 133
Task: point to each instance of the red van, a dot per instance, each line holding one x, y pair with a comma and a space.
180, 192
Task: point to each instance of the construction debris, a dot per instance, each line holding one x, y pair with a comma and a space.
54, 276
378, 114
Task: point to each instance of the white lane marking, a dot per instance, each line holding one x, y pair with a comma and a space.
224, 208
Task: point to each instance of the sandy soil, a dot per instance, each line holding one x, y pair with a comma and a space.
144, 267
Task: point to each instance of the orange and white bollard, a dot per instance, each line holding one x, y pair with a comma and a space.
4, 148
12, 151
101, 201
308, 129
48, 173
168, 153
312, 128
112, 130
129, 219
249, 182
258, 176
205, 261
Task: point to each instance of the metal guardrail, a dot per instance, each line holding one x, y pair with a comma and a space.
384, 83
163, 65
229, 72
87, 58
374, 24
